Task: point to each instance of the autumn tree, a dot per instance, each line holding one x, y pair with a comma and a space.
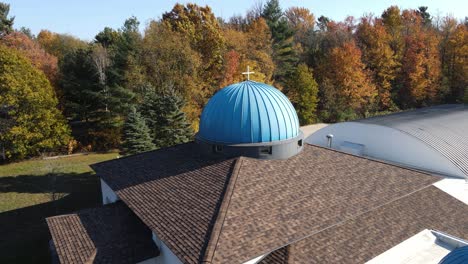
392, 21
250, 48
331, 34
302, 90
346, 83
169, 62
59, 44
454, 54
201, 28
6, 22
29, 102
421, 69
42, 60
302, 22
378, 56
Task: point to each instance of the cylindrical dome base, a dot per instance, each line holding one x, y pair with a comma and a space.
282, 149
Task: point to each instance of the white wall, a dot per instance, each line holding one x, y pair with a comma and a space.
108, 195
165, 254
387, 144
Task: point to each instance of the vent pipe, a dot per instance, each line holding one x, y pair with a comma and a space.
330, 139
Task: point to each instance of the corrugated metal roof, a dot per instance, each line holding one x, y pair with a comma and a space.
248, 112
443, 127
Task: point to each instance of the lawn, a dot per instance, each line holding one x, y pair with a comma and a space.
34, 189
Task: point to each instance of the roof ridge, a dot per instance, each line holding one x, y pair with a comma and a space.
212, 243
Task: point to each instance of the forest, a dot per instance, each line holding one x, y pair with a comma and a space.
137, 91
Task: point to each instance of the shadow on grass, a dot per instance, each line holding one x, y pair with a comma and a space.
52, 182
24, 232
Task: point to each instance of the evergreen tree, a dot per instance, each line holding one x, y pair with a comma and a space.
426, 17
303, 93
284, 55
136, 134
6, 23
164, 116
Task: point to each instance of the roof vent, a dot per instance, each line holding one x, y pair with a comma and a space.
330, 139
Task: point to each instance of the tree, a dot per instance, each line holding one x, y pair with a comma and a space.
201, 28
169, 62
425, 16
260, 51
101, 63
251, 47
29, 103
392, 21
302, 22
80, 86
102, 108
421, 69
344, 72
6, 23
302, 90
454, 59
42, 60
374, 42
164, 116
136, 134
59, 44
284, 54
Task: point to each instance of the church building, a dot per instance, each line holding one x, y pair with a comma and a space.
249, 189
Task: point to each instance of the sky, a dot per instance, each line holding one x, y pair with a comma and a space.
85, 18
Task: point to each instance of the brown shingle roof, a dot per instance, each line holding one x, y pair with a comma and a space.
372, 233
277, 202
232, 210
108, 234
175, 191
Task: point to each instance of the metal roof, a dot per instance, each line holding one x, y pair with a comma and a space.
458, 256
443, 127
248, 112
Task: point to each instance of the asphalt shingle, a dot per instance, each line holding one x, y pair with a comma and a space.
107, 234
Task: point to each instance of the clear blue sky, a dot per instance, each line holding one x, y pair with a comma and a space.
85, 18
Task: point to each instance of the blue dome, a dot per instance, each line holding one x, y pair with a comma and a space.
248, 112
457, 256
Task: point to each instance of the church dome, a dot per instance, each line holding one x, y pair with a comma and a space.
457, 256
248, 112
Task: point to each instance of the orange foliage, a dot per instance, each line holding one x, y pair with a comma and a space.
39, 57
374, 42
231, 66
421, 68
347, 74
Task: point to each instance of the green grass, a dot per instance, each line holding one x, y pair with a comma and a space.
32, 190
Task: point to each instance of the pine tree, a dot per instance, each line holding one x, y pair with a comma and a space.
164, 116
6, 23
284, 55
136, 134
303, 93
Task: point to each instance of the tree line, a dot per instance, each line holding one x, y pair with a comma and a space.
138, 91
